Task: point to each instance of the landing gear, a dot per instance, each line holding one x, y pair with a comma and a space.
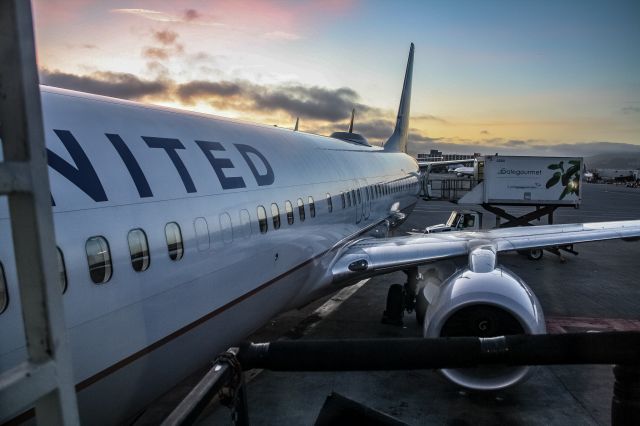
395, 306
535, 254
401, 298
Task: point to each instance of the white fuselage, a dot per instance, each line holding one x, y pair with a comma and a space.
141, 332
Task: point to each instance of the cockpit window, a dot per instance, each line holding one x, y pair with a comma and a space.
99, 259
139, 250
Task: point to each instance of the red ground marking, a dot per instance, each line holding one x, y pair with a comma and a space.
559, 325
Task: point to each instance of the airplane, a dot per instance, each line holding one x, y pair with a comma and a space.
464, 171
180, 233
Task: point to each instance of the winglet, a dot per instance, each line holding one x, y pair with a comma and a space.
398, 140
353, 114
295, 129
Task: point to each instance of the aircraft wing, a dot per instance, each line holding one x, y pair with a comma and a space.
375, 256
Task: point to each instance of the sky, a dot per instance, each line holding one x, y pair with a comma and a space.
530, 77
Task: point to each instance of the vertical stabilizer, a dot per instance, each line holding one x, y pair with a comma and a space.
398, 140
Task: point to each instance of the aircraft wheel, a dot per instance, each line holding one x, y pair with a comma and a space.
535, 254
421, 308
395, 306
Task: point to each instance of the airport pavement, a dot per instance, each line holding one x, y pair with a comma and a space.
596, 290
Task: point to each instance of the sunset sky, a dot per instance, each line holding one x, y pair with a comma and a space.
508, 76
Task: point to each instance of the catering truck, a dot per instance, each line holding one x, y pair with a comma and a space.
527, 180
545, 183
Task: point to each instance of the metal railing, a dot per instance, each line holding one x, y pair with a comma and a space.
448, 189
619, 348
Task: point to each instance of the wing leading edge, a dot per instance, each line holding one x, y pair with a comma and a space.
372, 256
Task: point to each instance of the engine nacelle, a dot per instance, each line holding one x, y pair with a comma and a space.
483, 304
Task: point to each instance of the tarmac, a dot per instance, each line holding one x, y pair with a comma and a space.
594, 291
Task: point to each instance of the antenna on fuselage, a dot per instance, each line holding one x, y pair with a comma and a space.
353, 114
295, 128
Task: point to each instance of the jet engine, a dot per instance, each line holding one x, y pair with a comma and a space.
490, 303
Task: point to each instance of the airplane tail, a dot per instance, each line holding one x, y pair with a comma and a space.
398, 140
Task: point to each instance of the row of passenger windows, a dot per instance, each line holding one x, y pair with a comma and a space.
99, 253
349, 198
99, 258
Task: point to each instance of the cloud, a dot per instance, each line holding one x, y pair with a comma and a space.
166, 37
317, 103
168, 48
155, 53
523, 147
188, 16
191, 15
192, 92
118, 85
631, 110
484, 132
153, 15
429, 117
281, 35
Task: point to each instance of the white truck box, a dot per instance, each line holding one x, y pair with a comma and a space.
528, 180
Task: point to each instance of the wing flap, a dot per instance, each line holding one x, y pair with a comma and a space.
554, 235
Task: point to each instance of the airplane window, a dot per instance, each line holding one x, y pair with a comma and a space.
348, 199
353, 196
359, 196
202, 233
226, 228
139, 249
367, 193
174, 240
329, 203
245, 223
4, 296
312, 207
275, 213
301, 209
62, 272
344, 202
289, 209
262, 220
99, 259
